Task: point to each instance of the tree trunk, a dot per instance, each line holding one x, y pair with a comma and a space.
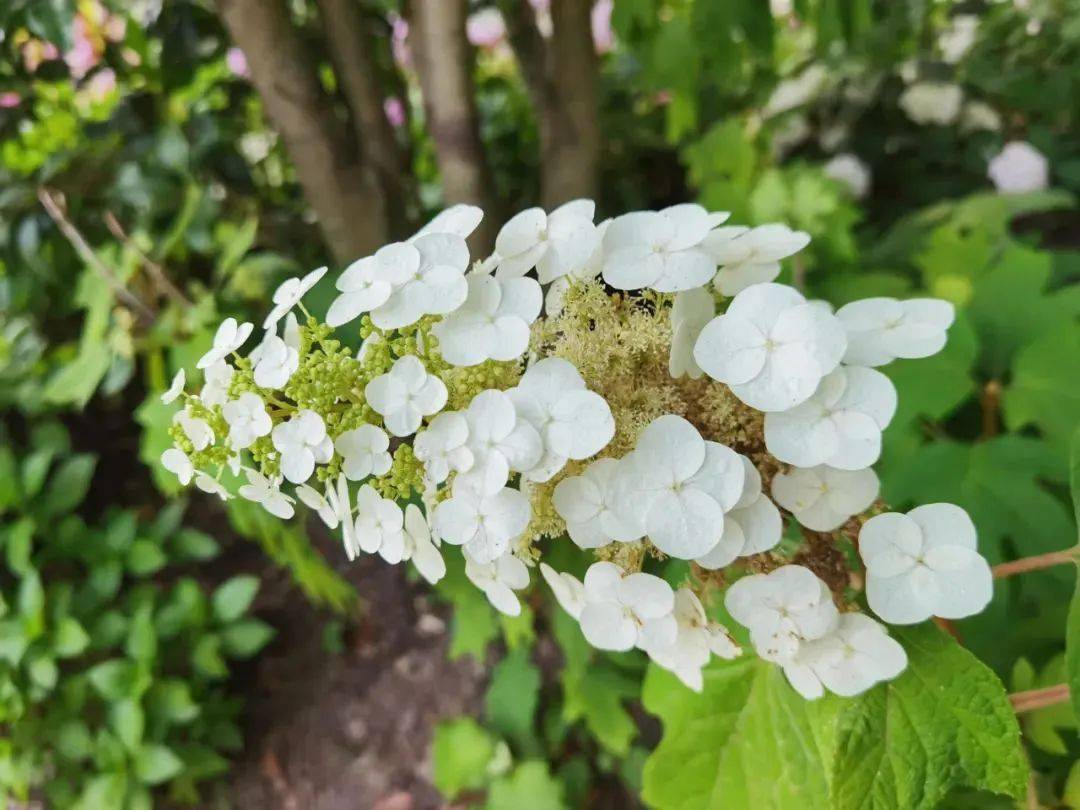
444, 62
344, 193
562, 79
352, 49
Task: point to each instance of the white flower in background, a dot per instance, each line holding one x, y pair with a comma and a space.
587, 503
924, 564
690, 312
958, 38
623, 611
405, 395
493, 323
573, 422
218, 379
441, 446
362, 290
978, 115
696, 640
275, 363
1018, 168
302, 442
427, 275
484, 524
459, 220
932, 102
197, 430
363, 452
846, 168
840, 425
752, 526
556, 244
175, 388
782, 610
499, 579
177, 462
748, 257
660, 249
797, 91
855, 656
498, 441
883, 329
247, 419
268, 494
771, 347
568, 589
675, 487
419, 548
229, 337
288, 295
556, 293
823, 498
211, 486
380, 525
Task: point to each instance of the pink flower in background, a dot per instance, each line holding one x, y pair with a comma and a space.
395, 111
399, 45
540, 5
602, 34
661, 98
36, 51
237, 63
83, 55
101, 84
9, 99
485, 28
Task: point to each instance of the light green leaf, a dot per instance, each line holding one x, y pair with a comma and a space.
114, 680
69, 638
155, 764
512, 697
530, 785
128, 721
462, 751
233, 598
1045, 387
244, 639
1072, 625
945, 722
68, 485
747, 740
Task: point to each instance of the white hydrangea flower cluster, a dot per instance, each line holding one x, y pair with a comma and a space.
458, 423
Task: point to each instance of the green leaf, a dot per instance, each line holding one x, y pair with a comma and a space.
104, 790
245, 638
594, 690
170, 701
114, 680
13, 641
128, 721
945, 722
69, 638
512, 697
18, 539
9, 478
233, 598
141, 639
206, 657
52, 20
43, 671
189, 544
1045, 387
462, 751
1072, 624
155, 764
530, 785
35, 469
68, 485
73, 740
145, 557
473, 625
747, 740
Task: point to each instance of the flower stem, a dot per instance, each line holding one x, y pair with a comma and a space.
1036, 563
1034, 699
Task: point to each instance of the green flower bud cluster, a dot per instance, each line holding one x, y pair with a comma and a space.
265, 456
405, 477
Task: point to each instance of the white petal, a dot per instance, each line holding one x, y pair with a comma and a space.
607, 627
686, 524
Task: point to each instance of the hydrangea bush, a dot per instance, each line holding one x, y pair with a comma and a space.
641, 387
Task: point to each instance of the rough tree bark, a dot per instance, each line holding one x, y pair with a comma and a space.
352, 49
444, 62
344, 193
562, 77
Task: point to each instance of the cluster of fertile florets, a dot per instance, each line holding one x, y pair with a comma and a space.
649, 394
